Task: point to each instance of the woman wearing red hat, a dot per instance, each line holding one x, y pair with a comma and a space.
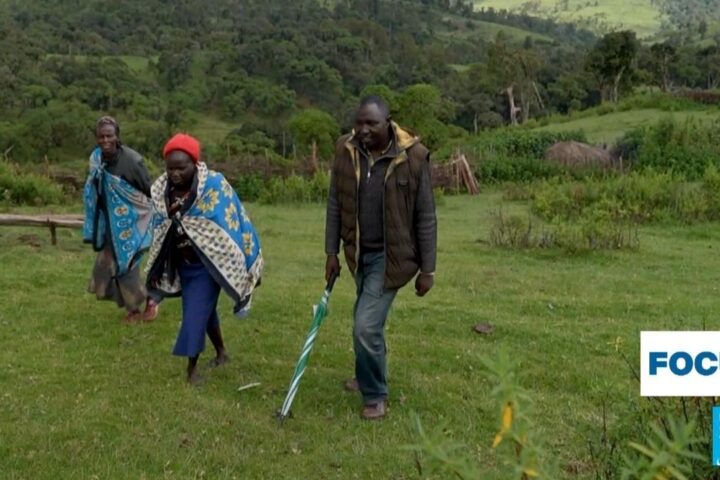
203, 242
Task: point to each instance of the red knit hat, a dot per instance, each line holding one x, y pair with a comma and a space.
184, 143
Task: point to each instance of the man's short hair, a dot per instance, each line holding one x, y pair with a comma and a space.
378, 101
107, 120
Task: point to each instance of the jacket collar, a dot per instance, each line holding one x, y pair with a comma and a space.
402, 139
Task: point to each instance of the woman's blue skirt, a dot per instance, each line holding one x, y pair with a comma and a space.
200, 294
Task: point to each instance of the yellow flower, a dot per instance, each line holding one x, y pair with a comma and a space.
248, 243
121, 211
227, 189
209, 201
231, 217
531, 472
507, 418
125, 234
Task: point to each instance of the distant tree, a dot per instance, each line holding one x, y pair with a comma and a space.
422, 108
384, 92
611, 61
709, 62
702, 28
59, 126
36, 96
174, 68
568, 92
147, 136
515, 72
317, 130
664, 58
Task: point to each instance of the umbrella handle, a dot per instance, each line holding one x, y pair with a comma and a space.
331, 282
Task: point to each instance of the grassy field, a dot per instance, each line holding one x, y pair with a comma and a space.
137, 64
610, 127
639, 15
211, 129
86, 397
488, 30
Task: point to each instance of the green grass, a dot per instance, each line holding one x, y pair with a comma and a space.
86, 397
638, 15
136, 63
211, 129
465, 28
610, 127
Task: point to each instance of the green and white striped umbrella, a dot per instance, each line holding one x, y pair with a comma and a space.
319, 314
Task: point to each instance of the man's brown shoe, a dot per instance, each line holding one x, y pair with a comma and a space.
374, 411
351, 385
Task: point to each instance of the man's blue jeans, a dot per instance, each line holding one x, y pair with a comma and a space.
371, 310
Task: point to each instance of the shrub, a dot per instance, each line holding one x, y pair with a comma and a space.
638, 197
686, 148
587, 234
296, 189
517, 192
516, 169
18, 188
249, 187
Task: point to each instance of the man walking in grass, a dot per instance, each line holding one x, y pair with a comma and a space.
381, 206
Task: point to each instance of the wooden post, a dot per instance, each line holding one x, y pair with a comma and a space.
456, 169
52, 221
314, 158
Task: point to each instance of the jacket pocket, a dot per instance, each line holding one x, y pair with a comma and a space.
403, 192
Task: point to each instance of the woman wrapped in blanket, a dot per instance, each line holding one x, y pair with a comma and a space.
117, 222
203, 242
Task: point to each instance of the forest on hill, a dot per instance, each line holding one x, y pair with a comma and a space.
270, 78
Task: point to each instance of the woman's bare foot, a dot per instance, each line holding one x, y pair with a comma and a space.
195, 379
221, 359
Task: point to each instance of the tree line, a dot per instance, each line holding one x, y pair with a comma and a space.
288, 74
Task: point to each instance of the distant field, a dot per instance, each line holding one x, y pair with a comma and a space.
600, 15
489, 30
135, 62
212, 130
608, 128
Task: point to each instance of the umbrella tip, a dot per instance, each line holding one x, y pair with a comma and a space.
280, 417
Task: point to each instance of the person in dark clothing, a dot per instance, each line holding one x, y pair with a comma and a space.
117, 222
381, 206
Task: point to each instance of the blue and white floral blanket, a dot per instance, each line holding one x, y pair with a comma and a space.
112, 204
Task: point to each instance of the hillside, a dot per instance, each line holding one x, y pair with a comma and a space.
238, 71
695, 21
267, 80
642, 16
608, 128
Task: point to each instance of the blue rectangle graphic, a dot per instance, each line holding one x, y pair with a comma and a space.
716, 436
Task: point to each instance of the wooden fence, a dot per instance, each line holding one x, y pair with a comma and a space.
51, 221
